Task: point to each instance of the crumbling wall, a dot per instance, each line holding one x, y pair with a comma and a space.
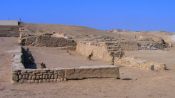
129, 45
58, 75
148, 44
99, 50
22, 75
152, 43
105, 51
144, 64
47, 40
17, 59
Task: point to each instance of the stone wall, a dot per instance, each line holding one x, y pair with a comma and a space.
129, 45
139, 63
152, 45
58, 75
99, 50
17, 59
22, 75
47, 40
143, 45
105, 51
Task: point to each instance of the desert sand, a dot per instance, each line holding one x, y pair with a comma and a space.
134, 82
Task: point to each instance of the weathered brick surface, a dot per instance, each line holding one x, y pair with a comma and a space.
144, 64
92, 72
47, 40
100, 50
22, 75
58, 75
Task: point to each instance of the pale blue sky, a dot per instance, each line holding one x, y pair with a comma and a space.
100, 14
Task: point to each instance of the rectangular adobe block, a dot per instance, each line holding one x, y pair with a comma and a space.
92, 72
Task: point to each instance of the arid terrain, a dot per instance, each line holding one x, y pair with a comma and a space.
134, 82
54, 58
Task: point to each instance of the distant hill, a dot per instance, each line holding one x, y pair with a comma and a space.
81, 32
75, 31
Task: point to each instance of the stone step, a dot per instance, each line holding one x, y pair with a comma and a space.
63, 74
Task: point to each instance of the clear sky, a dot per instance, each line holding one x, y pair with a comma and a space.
100, 14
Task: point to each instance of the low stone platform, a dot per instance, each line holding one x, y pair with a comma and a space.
58, 75
20, 74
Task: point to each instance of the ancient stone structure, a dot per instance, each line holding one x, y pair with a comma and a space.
22, 75
151, 43
58, 75
144, 64
128, 45
101, 50
17, 59
46, 40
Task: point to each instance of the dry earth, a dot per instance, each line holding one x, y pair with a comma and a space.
54, 58
134, 83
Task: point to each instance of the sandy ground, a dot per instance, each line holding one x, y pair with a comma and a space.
55, 58
162, 56
134, 83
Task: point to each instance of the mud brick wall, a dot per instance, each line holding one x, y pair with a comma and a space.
152, 45
58, 75
84, 72
54, 41
99, 50
48, 41
16, 61
140, 63
22, 75
129, 45
37, 76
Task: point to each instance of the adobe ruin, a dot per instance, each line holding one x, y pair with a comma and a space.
104, 48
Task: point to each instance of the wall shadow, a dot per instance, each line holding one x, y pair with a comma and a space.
27, 59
